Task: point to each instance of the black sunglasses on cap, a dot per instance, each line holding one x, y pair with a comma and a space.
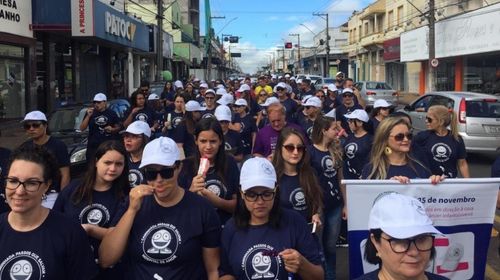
32, 124
165, 173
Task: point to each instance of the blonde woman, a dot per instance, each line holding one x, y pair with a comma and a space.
390, 157
442, 148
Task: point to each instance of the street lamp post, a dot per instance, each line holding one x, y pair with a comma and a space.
327, 68
298, 46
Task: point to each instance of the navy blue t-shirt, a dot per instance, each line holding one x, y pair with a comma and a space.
495, 168
233, 143
412, 170
145, 114
4, 160
100, 212
305, 123
374, 276
208, 113
326, 172
252, 253
59, 150
292, 196
247, 128
181, 135
57, 249
291, 109
356, 154
441, 153
175, 119
328, 105
135, 176
98, 121
168, 241
340, 111
225, 187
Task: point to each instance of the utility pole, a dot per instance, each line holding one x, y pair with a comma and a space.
298, 46
432, 46
209, 50
327, 68
159, 40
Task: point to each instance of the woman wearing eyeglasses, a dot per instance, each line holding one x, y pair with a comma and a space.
326, 159
390, 157
381, 110
94, 200
401, 240
139, 111
36, 242
298, 184
164, 231
442, 148
358, 144
219, 183
262, 240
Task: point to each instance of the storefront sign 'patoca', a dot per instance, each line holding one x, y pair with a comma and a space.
119, 27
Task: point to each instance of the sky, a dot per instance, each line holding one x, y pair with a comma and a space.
264, 24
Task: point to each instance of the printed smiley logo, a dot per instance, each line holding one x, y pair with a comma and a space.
350, 150
261, 264
441, 152
160, 241
94, 217
21, 270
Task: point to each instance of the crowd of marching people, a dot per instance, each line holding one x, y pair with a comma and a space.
220, 180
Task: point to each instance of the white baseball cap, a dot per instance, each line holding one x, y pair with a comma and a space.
241, 102
257, 172
196, 80
244, 87
358, 114
381, 103
281, 85
287, 75
332, 87
269, 101
226, 99
400, 216
209, 91
331, 114
220, 86
347, 90
223, 113
35, 116
100, 97
138, 128
153, 96
339, 73
305, 97
221, 91
203, 85
313, 101
162, 151
178, 84
194, 106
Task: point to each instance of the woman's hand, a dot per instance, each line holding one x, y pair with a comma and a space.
401, 179
344, 212
435, 179
198, 184
316, 219
292, 260
137, 194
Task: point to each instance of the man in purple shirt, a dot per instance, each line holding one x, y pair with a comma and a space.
265, 141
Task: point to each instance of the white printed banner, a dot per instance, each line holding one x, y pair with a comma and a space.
462, 209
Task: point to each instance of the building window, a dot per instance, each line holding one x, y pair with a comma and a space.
390, 19
366, 28
12, 82
482, 74
400, 14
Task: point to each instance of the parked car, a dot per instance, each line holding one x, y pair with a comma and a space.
372, 90
323, 81
478, 117
64, 124
313, 78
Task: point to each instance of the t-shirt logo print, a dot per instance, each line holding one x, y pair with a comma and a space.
298, 199
95, 214
441, 152
351, 149
142, 117
261, 261
21, 270
23, 265
160, 243
328, 167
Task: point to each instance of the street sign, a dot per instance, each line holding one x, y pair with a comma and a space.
434, 62
235, 54
233, 39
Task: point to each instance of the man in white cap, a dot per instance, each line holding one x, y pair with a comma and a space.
311, 110
348, 105
103, 124
232, 140
209, 104
283, 92
305, 89
35, 125
201, 93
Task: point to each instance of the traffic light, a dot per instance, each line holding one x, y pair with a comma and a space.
288, 45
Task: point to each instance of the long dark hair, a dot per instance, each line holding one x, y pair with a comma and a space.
242, 215
133, 99
40, 156
120, 185
189, 122
307, 178
207, 124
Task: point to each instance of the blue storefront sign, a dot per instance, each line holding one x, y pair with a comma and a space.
91, 18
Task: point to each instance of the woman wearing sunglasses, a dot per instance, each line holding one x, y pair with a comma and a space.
381, 110
390, 157
311, 109
262, 240
442, 148
164, 231
298, 184
219, 183
36, 127
358, 144
94, 200
401, 240
326, 159
38, 243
